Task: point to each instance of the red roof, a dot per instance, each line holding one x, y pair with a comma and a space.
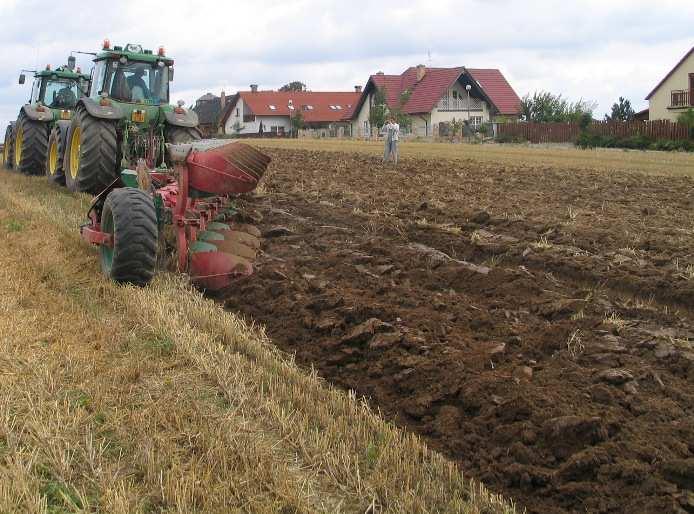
670, 73
315, 106
426, 93
497, 88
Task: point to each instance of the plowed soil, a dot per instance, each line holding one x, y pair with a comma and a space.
534, 324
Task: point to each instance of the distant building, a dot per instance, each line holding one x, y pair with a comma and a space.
431, 96
248, 111
209, 109
674, 94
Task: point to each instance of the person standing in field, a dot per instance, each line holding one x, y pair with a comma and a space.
391, 132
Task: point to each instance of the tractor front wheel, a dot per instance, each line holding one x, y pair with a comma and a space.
8, 148
91, 153
30, 145
56, 154
130, 217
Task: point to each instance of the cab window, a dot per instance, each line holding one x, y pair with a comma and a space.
61, 93
133, 82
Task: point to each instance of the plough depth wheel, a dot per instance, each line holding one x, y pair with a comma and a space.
130, 218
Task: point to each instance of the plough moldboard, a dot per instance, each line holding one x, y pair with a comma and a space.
195, 197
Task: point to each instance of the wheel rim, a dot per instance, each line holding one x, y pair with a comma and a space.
75, 145
18, 143
53, 158
107, 251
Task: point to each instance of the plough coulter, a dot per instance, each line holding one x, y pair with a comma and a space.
187, 211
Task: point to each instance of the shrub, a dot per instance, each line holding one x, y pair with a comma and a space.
639, 142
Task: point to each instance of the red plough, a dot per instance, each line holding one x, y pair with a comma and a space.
196, 199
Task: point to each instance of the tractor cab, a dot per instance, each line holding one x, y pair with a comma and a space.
58, 90
131, 75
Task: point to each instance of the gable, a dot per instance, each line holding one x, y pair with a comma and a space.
425, 94
671, 72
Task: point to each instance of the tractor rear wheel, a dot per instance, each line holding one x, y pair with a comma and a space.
8, 148
56, 156
91, 153
130, 217
30, 145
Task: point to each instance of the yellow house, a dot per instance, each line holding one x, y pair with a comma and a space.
675, 93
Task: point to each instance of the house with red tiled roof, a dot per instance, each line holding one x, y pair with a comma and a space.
270, 112
432, 96
674, 94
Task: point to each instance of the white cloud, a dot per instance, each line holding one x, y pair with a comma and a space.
593, 49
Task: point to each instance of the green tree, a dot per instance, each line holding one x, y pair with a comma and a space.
687, 119
621, 111
297, 122
294, 86
379, 109
544, 106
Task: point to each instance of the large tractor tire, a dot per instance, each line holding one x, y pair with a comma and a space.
91, 153
129, 215
55, 171
179, 135
30, 145
8, 148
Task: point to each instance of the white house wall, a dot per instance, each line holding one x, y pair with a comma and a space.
233, 118
362, 116
660, 101
438, 116
252, 127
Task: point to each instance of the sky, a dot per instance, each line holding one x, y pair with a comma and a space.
596, 50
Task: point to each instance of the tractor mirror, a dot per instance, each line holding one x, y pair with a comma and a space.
171, 74
22, 78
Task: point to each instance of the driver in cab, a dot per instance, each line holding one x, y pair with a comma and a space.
138, 88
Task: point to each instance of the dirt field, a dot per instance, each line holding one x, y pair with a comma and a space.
532, 322
117, 399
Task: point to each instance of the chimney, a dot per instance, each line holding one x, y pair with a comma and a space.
222, 99
254, 88
357, 89
421, 71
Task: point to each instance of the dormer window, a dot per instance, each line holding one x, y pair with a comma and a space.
272, 107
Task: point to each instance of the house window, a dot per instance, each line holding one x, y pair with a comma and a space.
455, 95
237, 112
475, 121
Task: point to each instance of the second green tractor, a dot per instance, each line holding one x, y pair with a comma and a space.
34, 142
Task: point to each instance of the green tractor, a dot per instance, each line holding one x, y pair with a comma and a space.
126, 118
33, 144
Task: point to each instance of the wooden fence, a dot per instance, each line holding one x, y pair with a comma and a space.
568, 132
